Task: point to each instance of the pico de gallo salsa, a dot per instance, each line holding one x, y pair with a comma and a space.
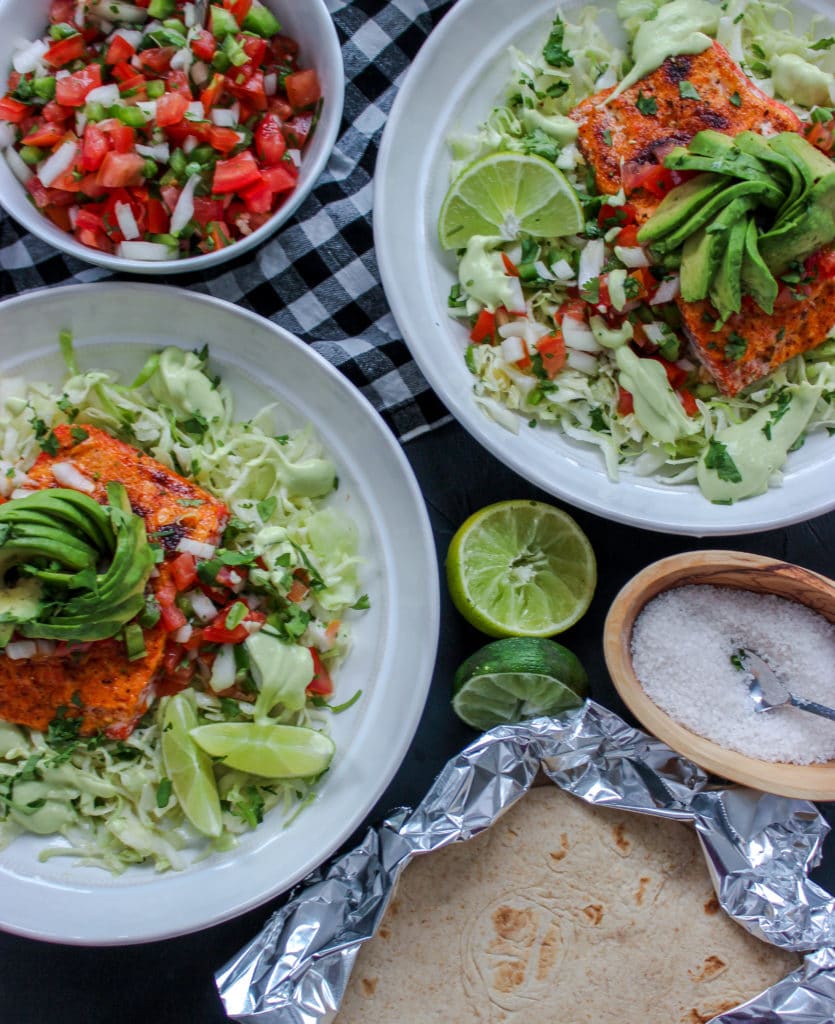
149, 136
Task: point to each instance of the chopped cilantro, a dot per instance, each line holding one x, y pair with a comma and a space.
736, 346
554, 51
646, 105
607, 137
590, 291
361, 603
717, 458
823, 44
736, 99
688, 91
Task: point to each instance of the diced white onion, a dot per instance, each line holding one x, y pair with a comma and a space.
578, 336
189, 15
7, 135
199, 72
54, 166
27, 60
654, 332
592, 258
21, 492
567, 160
182, 59
10, 478
271, 83
296, 156
517, 298
116, 10
19, 649
223, 669
149, 252
73, 215
161, 152
127, 221
667, 291
45, 647
68, 475
195, 111
513, 349
512, 329
585, 362
189, 143
607, 79
183, 212
543, 271
632, 256
80, 123
196, 547
130, 35
224, 118
183, 634
252, 626
563, 270
107, 95
63, 73
148, 108
202, 606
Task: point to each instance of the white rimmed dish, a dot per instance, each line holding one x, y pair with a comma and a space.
309, 24
458, 76
394, 643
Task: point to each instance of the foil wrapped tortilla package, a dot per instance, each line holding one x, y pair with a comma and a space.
759, 849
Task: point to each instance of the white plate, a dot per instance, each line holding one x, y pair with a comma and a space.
394, 642
458, 76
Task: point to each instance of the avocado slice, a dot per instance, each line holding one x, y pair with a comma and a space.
726, 291
811, 163
733, 165
679, 205
700, 259
804, 234
784, 170
757, 279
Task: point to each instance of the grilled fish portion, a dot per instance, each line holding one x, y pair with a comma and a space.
97, 681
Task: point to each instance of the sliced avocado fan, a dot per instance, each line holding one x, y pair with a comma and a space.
91, 563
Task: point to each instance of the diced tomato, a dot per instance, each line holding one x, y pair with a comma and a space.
231, 576
120, 51
121, 169
628, 236
54, 112
258, 198
552, 352
255, 48
171, 618
575, 308
122, 136
280, 107
60, 217
297, 129
217, 633
67, 181
94, 239
237, 173
45, 136
821, 264
821, 136
178, 133
298, 591
223, 140
282, 177
321, 684
72, 90
62, 12
675, 375
270, 143
484, 328
13, 110
238, 8
510, 267
218, 236
284, 49
90, 186
177, 81
302, 88
159, 222
688, 402
626, 404
616, 215
183, 570
203, 46
206, 210
171, 108
653, 178
89, 217
645, 281
248, 88
65, 51
212, 93
157, 59
94, 147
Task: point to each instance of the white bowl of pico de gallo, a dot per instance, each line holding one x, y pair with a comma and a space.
138, 139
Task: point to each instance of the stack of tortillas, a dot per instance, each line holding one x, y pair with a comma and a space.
560, 912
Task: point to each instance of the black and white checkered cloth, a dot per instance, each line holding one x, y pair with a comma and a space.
318, 276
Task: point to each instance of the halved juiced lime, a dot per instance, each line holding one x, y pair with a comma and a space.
509, 194
188, 767
521, 568
517, 678
274, 751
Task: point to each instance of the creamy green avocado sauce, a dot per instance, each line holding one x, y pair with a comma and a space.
182, 384
680, 27
483, 274
798, 81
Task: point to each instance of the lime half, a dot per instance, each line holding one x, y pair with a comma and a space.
521, 568
188, 767
517, 678
509, 194
275, 751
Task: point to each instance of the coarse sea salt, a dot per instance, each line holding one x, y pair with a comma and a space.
682, 644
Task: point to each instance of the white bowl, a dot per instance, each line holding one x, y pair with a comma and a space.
393, 643
309, 24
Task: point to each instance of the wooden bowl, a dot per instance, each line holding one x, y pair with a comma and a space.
721, 569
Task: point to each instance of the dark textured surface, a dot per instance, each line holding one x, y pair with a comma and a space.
172, 982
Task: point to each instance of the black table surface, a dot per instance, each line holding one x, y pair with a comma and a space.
172, 982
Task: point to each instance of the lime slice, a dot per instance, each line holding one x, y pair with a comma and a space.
508, 194
188, 767
516, 678
275, 751
521, 568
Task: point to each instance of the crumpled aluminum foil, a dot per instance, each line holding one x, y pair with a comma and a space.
759, 849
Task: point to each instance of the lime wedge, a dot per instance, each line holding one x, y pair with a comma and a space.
521, 568
188, 767
517, 678
509, 194
275, 751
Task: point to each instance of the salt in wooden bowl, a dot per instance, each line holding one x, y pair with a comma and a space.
738, 570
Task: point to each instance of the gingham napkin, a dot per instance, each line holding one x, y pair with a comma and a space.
318, 276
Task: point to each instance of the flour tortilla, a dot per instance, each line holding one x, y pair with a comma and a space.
560, 912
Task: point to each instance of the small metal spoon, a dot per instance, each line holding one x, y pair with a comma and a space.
768, 691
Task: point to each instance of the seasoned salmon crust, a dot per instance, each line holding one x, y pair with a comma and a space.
97, 681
